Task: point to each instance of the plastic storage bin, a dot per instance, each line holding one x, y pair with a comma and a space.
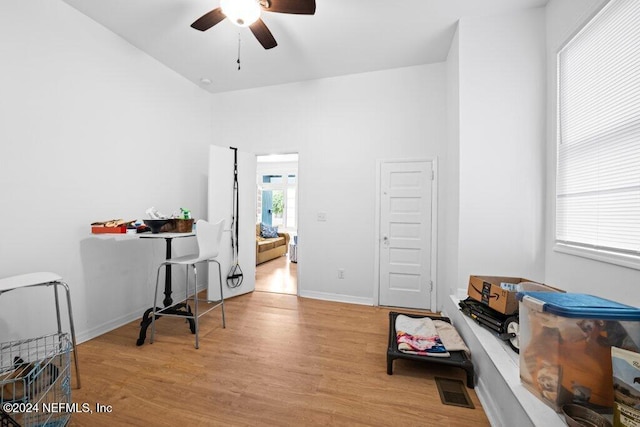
565, 346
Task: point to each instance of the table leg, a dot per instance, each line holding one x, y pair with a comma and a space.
144, 324
146, 317
167, 276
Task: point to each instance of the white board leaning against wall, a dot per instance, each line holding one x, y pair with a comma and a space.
220, 206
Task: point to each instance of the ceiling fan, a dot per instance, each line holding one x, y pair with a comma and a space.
246, 13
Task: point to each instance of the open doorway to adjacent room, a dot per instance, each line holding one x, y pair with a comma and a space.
277, 223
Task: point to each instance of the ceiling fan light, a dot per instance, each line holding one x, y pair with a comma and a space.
241, 12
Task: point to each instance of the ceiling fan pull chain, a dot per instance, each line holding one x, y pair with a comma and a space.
238, 52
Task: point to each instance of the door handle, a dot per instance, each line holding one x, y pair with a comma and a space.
385, 240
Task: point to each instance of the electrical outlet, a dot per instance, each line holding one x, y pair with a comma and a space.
322, 216
341, 273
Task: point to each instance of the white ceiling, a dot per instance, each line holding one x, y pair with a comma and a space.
343, 37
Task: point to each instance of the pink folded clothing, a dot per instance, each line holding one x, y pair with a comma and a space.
419, 336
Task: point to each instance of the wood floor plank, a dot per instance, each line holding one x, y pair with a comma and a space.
282, 360
277, 275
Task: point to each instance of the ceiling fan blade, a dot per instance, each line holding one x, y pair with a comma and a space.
209, 19
299, 7
262, 33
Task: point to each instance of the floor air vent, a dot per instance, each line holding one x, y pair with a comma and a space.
453, 392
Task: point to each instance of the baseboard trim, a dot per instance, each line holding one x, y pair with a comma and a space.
489, 403
112, 324
336, 297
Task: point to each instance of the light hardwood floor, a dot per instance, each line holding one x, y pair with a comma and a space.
277, 275
281, 361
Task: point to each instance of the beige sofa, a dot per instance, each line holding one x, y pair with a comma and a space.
270, 248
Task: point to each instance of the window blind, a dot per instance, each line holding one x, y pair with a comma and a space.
598, 167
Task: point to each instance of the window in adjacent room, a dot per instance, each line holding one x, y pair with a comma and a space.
277, 191
598, 167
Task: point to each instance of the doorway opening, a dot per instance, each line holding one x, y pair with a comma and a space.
277, 223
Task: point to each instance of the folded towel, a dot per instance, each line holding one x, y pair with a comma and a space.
450, 337
419, 336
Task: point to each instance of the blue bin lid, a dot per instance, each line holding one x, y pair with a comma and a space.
583, 306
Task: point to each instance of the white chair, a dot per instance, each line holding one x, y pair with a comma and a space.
208, 236
46, 279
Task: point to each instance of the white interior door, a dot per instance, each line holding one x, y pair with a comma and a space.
405, 234
220, 206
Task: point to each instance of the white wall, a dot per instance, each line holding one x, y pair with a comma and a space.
91, 128
496, 80
501, 133
340, 127
449, 215
571, 272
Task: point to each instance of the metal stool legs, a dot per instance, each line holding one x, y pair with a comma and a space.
221, 295
71, 325
195, 298
47, 279
176, 309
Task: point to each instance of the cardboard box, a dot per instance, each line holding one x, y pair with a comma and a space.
565, 346
488, 290
626, 396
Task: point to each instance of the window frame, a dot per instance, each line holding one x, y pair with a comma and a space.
622, 257
286, 187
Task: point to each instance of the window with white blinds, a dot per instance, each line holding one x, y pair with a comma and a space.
598, 169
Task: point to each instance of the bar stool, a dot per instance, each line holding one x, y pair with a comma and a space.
208, 236
31, 280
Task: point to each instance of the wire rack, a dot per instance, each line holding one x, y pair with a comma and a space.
35, 381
